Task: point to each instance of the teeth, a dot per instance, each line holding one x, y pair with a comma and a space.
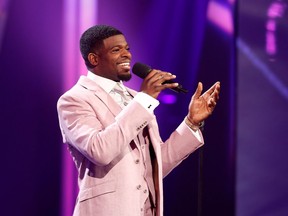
125, 64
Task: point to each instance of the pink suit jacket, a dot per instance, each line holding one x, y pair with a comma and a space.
99, 135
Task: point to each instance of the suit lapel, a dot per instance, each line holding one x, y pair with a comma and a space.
103, 96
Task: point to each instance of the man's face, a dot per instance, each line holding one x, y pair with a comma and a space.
114, 59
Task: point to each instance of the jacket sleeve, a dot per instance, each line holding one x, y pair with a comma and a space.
82, 128
181, 143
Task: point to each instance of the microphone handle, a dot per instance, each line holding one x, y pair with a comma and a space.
178, 89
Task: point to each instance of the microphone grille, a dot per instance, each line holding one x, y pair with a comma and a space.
141, 70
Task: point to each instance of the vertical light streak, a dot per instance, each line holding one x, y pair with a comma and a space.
3, 15
87, 18
276, 10
67, 186
78, 15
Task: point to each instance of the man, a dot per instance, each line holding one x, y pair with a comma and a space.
113, 136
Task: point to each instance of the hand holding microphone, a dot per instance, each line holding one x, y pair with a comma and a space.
156, 80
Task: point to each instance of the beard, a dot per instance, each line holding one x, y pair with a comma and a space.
125, 77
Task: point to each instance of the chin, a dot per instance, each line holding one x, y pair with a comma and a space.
125, 77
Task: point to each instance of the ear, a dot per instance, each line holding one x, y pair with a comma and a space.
93, 59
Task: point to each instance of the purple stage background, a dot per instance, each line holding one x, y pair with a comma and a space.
262, 144
198, 41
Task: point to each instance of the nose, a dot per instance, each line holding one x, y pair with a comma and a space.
126, 53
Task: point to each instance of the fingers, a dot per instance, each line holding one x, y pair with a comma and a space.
158, 79
216, 91
212, 103
212, 88
198, 91
214, 95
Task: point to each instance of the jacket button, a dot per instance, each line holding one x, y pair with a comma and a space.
137, 161
138, 187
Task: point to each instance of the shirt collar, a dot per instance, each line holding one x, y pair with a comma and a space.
107, 84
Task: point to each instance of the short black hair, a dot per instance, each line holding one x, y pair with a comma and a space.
92, 39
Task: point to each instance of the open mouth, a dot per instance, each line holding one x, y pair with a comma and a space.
125, 65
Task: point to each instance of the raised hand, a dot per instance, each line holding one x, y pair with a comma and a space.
201, 106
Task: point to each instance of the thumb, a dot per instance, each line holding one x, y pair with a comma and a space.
198, 91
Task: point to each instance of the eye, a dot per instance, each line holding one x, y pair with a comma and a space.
115, 50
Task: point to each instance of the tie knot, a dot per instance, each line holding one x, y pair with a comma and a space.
119, 87
123, 97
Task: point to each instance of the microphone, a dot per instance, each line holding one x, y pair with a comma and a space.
142, 70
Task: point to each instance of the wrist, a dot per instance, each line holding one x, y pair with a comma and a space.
193, 125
